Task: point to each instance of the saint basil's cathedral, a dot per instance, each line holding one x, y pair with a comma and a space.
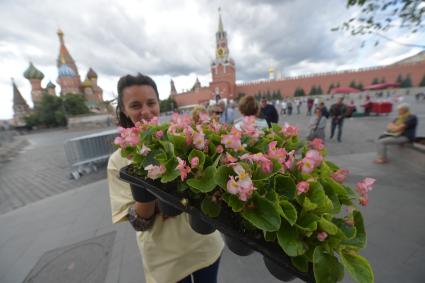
223, 73
68, 79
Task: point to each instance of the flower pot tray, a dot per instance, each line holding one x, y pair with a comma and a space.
270, 250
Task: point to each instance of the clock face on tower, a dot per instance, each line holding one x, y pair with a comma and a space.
220, 52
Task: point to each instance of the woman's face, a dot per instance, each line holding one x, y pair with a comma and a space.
140, 102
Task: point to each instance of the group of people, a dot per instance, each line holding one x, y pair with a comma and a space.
171, 250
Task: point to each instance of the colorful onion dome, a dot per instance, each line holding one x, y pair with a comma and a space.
91, 74
50, 85
32, 73
66, 71
87, 83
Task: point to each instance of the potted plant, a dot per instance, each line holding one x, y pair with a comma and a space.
266, 188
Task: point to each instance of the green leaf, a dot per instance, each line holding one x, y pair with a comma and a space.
358, 267
318, 196
179, 144
308, 223
347, 231
300, 262
206, 182
234, 202
200, 155
334, 198
222, 176
170, 171
359, 240
285, 186
290, 240
332, 165
210, 207
168, 147
333, 185
308, 205
263, 215
289, 211
327, 226
259, 174
326, 267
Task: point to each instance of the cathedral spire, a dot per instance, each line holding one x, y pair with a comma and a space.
20, 106
64, 57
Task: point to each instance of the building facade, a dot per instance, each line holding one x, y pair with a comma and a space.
68, 79
223, 73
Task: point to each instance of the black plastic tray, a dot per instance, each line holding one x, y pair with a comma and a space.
267, 249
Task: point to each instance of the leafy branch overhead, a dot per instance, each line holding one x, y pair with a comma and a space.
377, 16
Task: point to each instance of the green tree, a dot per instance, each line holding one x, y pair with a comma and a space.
74, 104
167, 105
313, 90
383, 15
382, 80
360, 86
331, 86
375, 81
278, 95
49, 112
299, 92
353, 84
422, 83
338, 84
407, 82
399, 80
319, 90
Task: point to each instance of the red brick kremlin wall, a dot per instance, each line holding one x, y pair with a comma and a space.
287, 86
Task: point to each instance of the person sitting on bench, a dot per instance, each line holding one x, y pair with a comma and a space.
400, 131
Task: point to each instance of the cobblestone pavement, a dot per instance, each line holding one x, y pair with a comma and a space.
41, 169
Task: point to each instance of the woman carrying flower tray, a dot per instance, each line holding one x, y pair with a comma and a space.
171, 250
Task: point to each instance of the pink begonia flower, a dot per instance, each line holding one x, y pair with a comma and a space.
199, 140
219, 148
204, 117
266, 164
302, 187
315, 155
278, 153
153, 121
184, 170
290, 159
194, 162
363, 200
340, 175
363, 188
132, 139
119, 141
317, 144
306, 165
188, 132
145, 150
159, 134
248, 127
242, 185
154, 172
321, 236
231, 141
289, 131
232, 186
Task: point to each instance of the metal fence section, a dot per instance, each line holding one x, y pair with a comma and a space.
86, 152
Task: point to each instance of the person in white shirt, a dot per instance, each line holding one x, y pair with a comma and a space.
284, 107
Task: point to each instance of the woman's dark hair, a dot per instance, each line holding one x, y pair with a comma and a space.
127, 81
248, 106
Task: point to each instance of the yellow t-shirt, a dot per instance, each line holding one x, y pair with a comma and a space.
171, 250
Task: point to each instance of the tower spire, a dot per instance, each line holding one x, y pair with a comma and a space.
220, 22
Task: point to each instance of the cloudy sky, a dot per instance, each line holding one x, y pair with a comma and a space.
176, 39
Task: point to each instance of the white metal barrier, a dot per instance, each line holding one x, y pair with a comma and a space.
86, 152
